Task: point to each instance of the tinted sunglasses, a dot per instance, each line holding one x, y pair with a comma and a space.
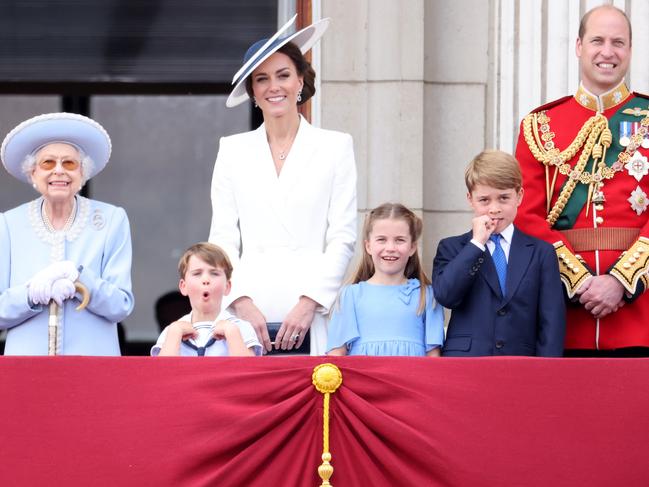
67, 164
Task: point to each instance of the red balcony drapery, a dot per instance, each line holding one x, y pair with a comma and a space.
258, 422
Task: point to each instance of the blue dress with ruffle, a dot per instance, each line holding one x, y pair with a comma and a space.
372, 319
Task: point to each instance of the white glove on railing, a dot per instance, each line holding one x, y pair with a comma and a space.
62, 289
40, 286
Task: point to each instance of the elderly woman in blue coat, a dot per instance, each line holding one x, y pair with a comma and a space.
49, 244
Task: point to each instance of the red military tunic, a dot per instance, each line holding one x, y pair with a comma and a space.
587, 194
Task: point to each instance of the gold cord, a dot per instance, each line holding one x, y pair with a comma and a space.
326, 378
574, 176
544, 151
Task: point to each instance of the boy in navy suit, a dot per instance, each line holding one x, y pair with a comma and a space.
502, 285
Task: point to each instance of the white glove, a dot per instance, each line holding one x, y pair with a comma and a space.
62, 289
66, 269
40, 290
40, 286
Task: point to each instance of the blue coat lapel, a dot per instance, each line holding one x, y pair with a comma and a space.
488, 272
520, 256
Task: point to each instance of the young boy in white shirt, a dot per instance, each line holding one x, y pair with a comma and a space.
205, 273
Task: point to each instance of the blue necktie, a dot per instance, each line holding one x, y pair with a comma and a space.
500, 261
200, 350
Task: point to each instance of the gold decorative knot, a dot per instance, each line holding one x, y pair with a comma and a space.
606, 138
327, 378
326, 470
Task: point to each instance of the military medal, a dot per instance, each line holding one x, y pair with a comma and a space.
625, 133
638, 200
598, 196
636, 112
629, 129
638, 166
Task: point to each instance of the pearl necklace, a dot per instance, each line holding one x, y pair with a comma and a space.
68, 222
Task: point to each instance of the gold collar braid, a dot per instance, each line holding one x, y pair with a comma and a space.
604, 101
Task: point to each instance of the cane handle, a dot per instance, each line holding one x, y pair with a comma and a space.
85, 295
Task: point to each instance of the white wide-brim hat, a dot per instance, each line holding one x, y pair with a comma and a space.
66, 128
261, 50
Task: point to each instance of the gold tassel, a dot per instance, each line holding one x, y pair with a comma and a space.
326, 378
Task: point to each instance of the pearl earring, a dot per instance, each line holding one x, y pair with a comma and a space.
255, 101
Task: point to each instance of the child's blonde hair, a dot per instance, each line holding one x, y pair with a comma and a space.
493, 168
207, 252
413, 268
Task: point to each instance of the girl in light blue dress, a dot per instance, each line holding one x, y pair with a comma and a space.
389, 307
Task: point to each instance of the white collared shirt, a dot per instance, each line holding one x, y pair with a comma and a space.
505, 241
204, 329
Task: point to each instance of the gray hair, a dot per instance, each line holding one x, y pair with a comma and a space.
87, 164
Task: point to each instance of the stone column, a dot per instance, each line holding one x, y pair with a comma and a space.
372, 87
456, 67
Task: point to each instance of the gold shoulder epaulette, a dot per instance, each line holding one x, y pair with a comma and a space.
633, 265
571, 268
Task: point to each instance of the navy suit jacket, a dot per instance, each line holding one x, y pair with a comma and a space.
529, 320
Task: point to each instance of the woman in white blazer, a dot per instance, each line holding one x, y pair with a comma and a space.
284, 198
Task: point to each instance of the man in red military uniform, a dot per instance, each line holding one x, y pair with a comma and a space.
586, 179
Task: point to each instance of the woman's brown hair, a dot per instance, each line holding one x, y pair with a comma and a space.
303, 68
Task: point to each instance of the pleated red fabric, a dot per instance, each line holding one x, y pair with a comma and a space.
136, 421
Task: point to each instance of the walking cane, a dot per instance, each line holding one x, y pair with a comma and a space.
53, 325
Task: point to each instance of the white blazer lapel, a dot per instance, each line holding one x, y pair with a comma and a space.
259, 153
269, 186
299, 158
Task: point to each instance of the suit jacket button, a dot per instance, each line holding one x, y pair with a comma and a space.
502, 312
480, 260
500, 344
